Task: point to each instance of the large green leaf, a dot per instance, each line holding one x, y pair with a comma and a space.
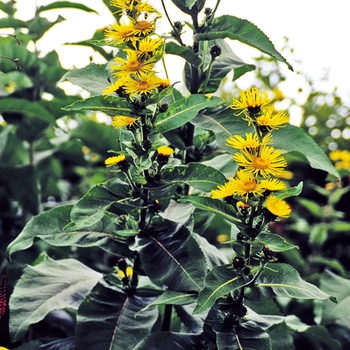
107, 104
65, 4
109, 318
51, 285
199, 176
283, 280
184, 52
235, 28
216, 206
275, 242
289, 139
181, 112
92, 78
170, 340
50, 227
220, 281
169, 250
26, 107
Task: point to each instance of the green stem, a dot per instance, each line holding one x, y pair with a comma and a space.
168, 309
214, 11
207, 76
178, 38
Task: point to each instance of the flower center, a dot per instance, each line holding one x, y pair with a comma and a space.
143, 25
260, 163
133, 66
249, 186
142, 85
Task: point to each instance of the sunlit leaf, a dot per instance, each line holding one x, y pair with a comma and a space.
51, 285
65, 4
184, 52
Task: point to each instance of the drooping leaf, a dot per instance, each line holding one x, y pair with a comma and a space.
179, 212
181, 112
278, 342
65, 4
92, 78
111, 319
169, 250
283, 280
170, 340
220, 281
26, 107
110, 105
239, 71
40, 25
235, 28
199, 176
290, 191
216, 206
51, 285
184, 52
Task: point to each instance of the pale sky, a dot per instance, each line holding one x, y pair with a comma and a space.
318, 31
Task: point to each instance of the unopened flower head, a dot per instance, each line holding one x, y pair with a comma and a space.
116, 160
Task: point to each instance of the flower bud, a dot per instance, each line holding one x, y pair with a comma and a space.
215, 51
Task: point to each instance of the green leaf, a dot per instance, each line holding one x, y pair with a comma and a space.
216, 206
320, 338
171, 297
49, 226
40, 25
111, 319
187, 6
235, 28
51, 285
220, 281
275, 242
170, 340
248, 337
92, 78
27, 108
19, 79
181, 112
290, 191
239, 71
65, 4
184, 52
169, 250
107, 104
179, 212
199, 176
294, 139
279, 342
284, 281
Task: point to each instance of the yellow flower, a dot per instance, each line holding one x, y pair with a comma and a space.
121, 121
268, 162
122, 5
251, 102
225, 190
278, 207
286, 174
113, 88
273, 185
146, 83
148, 46
120, 33
115, 160
250, 142
132, 65
244, 184
272, 122
165, 151
146, 8
144, 28
128, 273
341, 159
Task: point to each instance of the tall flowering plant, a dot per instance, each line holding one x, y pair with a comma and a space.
179, 164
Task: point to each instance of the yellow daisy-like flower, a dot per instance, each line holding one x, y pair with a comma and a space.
250, 142
144, 28
115, 160
341, 159
272, 122
273, 185
251, 102
122, 5
121, 121
113, 88
286, 175
120, 33
148, 46
225, 190
165, 151
268, 162
146, 83
245, 184
132, 65
146, 8
278, 207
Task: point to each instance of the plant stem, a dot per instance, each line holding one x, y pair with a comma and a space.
168, 309
178, 38
208, 75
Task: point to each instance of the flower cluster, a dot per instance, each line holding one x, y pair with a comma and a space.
341, 158
260, 164
139, 49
